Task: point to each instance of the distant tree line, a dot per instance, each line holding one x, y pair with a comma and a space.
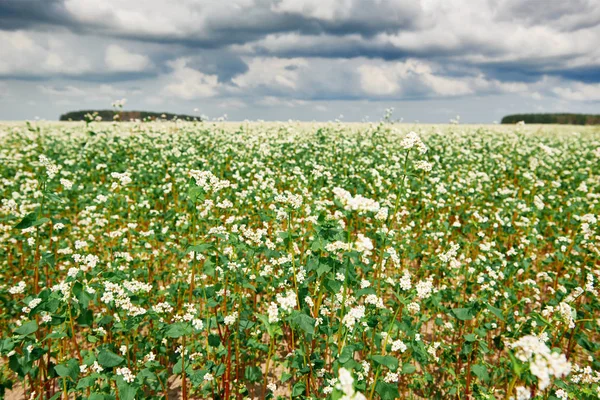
109, 115
568, 119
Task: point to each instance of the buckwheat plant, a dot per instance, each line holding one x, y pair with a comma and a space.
198, 260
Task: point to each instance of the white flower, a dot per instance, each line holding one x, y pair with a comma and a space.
353, 315
542, 362
345, 383
197, 324
123, 178
405, 281
34, 303
413, 307
287, 302
18, 288
391, 377
230, 319
97, 368
523, 393
561, 394
398, 345
126, 374
51, 168
66, 183
424, 288
273, 313
411, 140
423, 165
355, 203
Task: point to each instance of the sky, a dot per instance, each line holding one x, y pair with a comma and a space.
431, 60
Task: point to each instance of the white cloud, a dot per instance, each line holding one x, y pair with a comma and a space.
271, 72
579, 92
188, 83
121, 60
388, 78
327, 10
23, 53
378, 81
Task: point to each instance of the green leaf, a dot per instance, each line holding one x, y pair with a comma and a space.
481, 372
68, 370
86, 382
214, 340
463, 314
323, 269
299, 389
408, 368
108, 359
497, 312
177, 330
126, 391
86, 318
48, 258
27, 328
27, 221
178, 367
387, 391
253, 374
304, 322
62, 370
195, 193
388, 361
471, 337
54, 197
40, 221
346, 355
199, 248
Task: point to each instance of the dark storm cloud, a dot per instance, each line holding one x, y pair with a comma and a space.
220, 30
221, 63
565, 15
23, 14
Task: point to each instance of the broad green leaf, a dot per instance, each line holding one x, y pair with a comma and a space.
346, 355
299, 389
108, 359
27, 221
481, 372
27, 328
69, 369
388, 361
177, 330
408, 368
304, 322
497, 312
471, 337
463, 314
126, 390
387, 391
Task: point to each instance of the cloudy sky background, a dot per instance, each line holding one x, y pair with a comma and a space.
301, 59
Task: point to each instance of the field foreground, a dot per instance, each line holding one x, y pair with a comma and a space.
221, 261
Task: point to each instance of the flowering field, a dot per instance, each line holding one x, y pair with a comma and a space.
221, 261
